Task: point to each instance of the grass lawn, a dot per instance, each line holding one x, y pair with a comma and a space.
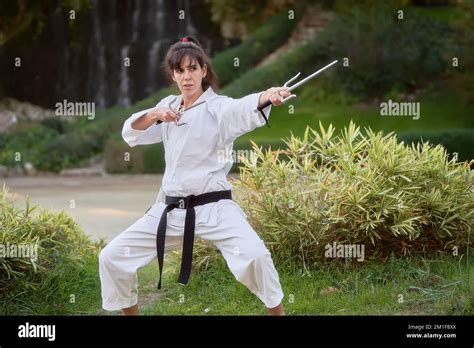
446, 14
397, 287
438, 110
444, 286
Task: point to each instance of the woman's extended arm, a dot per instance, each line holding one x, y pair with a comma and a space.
236, 117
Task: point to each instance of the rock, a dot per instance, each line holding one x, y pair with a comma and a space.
98, 169
3, 171
310, 26
329, 290
16, 171
232, 29
81, 172
12, 111
8, 121
30, 169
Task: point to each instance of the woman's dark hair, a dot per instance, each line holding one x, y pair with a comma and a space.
190, 47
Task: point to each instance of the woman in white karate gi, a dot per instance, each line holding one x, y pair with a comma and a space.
198, 202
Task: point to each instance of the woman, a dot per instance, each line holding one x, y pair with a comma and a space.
198, 198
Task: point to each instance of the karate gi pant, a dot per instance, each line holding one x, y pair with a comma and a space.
227, 228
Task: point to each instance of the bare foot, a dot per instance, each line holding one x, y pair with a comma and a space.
278, 310
131, 310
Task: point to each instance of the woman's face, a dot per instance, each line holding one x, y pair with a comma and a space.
189, 77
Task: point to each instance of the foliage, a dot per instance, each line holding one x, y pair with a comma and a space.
460, 141
249, 12
303, 58
357, 189
121, 158
442, 286
463, 75
384, 50
27, 146
26, 18
255, 48
57, 143
59, 244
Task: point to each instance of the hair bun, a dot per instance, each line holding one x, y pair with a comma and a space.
190, 39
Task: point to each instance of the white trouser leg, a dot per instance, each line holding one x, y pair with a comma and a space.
245, 253
123, 256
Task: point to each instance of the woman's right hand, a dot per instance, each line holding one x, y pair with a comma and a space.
163, 115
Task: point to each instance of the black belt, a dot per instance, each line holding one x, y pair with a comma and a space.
187, 203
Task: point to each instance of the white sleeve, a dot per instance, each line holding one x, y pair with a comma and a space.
236, 117
151, 135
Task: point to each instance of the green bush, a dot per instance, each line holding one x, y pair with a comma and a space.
62, 261
356, 188
59, 144
304, 58
460, 141
432, 2
154, 159
30, 144
55, 145
255, 48
71, 149
121, 158
59, 125
384, 50
245, 148
463, 75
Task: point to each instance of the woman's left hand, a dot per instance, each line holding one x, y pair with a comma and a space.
274, 94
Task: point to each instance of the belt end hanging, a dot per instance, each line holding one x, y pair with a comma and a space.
265, 117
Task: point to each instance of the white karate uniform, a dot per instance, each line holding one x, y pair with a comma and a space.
198, 158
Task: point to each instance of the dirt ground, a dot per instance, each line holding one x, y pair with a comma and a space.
103, 205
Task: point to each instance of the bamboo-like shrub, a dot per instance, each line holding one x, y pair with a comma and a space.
356, 188
52, 241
